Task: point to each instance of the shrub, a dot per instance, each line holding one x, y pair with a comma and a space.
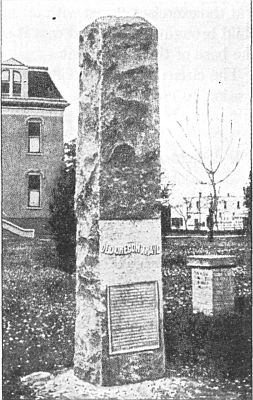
62, 213
248, 203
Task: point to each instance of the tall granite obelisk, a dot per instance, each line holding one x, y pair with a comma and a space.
119, 321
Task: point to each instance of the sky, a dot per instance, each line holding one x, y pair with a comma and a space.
204, 52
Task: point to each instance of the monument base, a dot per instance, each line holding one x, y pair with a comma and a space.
119, 338
212, 284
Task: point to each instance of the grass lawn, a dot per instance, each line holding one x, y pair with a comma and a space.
39, 308
177, 282
38, 318
217, 348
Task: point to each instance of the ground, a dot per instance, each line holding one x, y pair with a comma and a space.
65, 386
39, 316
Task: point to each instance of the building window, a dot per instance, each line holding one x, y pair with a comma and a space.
177, 222
34, 134
16, 83
238, 204
33, 190
5, 81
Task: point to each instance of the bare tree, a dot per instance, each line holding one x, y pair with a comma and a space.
209, 157
183, 210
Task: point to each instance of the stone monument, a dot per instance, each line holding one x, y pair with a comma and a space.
119, 321
212, 283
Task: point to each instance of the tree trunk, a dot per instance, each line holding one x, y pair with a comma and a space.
186, 223
213, 209
215, 205
210, 233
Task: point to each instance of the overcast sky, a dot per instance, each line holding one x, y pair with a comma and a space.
203, 45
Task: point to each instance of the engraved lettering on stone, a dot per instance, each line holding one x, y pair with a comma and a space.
130, 248
202, 290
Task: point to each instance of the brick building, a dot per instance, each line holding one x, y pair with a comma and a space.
32, 142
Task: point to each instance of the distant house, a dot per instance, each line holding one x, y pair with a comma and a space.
192, 213
32, 142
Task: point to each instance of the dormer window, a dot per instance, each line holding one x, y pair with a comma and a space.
16, 83
11, 83
5, 81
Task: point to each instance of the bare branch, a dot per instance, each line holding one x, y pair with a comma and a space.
187, 137
227, 148
221, 130
187, 169
183, 151
221, 139
194, 181
237, 152
233, 169
197, 117
199, 154
209, 131
178, 209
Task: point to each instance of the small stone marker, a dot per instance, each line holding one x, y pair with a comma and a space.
119, 319
212, 283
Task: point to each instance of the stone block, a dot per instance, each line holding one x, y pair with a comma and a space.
212, 283
118, 217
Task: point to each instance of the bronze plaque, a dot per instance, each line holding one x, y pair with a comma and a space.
133, 317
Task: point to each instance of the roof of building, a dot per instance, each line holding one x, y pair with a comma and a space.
41, 85
13, 61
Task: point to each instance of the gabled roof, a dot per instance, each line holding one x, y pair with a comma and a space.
13, 61
41, 85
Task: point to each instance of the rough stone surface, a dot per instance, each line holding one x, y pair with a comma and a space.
118, 175
119, 110
35, 377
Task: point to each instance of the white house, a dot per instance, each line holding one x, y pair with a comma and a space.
191, 213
